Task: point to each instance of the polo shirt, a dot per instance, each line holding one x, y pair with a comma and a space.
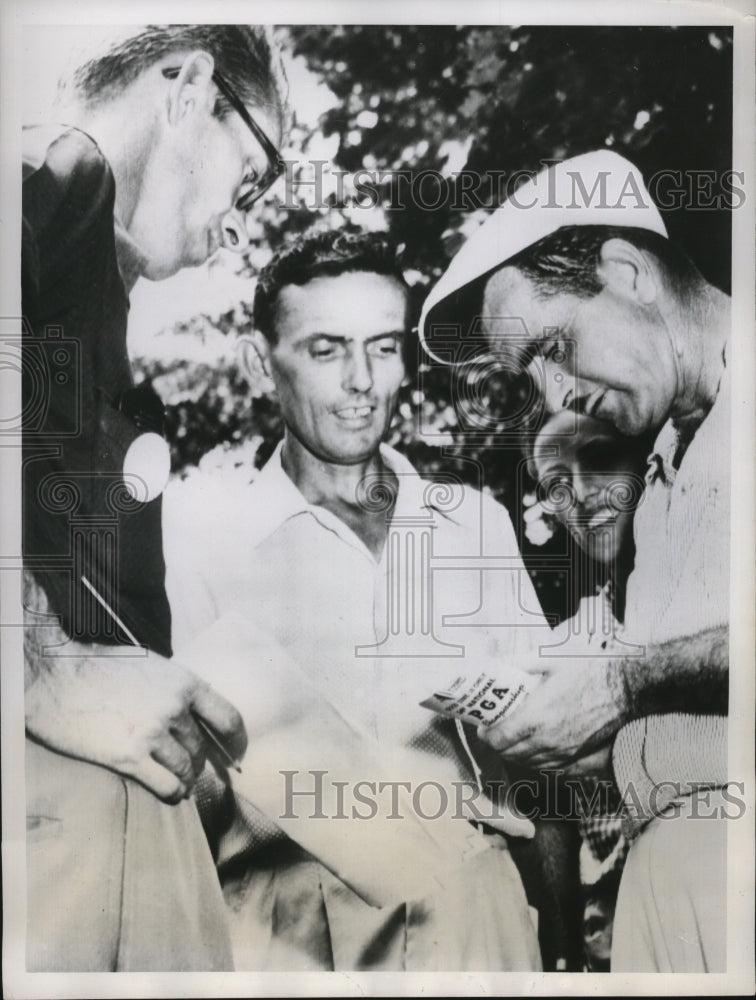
449, 593
679, 586
313, 584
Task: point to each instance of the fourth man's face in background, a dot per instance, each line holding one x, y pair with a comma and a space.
592, 479
338, 362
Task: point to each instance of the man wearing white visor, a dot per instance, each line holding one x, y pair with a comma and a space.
574, 278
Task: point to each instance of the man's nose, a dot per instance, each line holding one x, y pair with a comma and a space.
592, 490
587, 486
234, 231
577, 485
358, 375
557, 387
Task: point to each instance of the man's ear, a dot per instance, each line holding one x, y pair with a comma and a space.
254, 360
627, 271
193, 87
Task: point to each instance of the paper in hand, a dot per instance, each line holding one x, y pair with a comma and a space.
294, 729
483, 698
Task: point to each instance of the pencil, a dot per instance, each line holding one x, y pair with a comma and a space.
209, 734
216, 742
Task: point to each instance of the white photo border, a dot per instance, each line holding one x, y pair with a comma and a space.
18, 983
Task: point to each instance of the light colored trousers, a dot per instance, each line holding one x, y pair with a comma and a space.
116, 879
671, 911
288, 912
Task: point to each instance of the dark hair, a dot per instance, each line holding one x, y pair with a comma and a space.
567, 260
243, 53
321, 254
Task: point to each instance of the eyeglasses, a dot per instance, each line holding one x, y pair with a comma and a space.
256, 185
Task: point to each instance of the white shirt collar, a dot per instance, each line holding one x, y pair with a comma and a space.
666, 454
661, 460
277, 498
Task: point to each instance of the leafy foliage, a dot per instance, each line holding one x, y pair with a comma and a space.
419, 103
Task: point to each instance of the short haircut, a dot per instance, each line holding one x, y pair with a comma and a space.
566, 261
322, 254
243, 53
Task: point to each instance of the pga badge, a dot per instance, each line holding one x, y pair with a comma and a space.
483, 699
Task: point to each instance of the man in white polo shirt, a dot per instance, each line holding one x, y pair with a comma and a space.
574, 277
331, 550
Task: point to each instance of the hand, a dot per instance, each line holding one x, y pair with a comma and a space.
131, 713
575, 710
596, 765
500, 817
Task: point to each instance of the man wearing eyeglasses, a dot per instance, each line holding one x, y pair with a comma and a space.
172, 140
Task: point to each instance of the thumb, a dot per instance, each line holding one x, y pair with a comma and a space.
159, 780
536, 665
503, 819
512, 824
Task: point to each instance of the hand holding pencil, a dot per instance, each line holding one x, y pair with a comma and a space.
127, 709
215, 743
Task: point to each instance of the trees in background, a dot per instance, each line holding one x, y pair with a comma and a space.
430, 125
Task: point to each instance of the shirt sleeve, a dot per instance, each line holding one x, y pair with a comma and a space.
79, 523
68, 188
208, 544
188, 578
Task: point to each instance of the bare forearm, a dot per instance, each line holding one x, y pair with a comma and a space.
582, 703
683, 675
129, 710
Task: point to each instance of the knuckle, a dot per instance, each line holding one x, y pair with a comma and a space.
185, 770
498, 739
175, 795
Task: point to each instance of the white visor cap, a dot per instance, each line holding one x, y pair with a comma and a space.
600, 188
